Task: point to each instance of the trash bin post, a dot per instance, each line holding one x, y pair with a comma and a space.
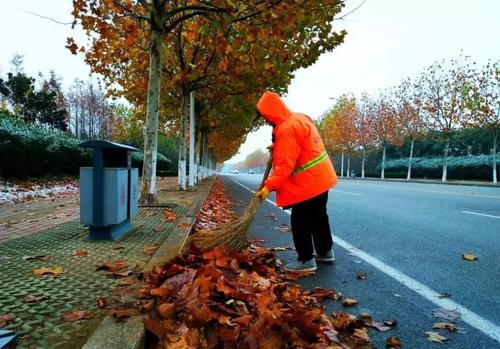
108, 190
97, 186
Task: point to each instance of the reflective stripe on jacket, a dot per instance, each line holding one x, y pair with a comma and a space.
301, 166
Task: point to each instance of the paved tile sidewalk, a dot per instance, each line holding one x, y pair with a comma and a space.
33, 216
40, 324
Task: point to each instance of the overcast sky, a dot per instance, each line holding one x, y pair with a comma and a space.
388, 40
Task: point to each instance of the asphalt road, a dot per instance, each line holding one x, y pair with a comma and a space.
408, 238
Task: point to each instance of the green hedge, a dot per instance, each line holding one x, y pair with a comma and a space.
27, 150
162, 163
459, 167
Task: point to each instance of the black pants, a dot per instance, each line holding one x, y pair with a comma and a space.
310, 224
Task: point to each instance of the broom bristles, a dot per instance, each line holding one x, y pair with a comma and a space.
232, 235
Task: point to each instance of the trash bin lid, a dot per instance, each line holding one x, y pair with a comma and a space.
97, 143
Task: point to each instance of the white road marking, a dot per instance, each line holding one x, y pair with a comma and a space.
346, 192
481, 214
472, 319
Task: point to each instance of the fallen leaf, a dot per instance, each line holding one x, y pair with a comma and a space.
118, 246
382, 327
80, 254
126, 282
451, 315
149, 213
156, 328
150, 249
5, 319
102, 302
166, 310
34, 299
444, 295
284, 228
158, 229
121, 274
123, 312
160, 292
56, 271
393, 342
277, 249
77, 315
469, 257
390, 323
349, 302
170, 215
112, 266
445, 326
361, 276
146, 306
272, 217
36, 258
435, 337
360, 335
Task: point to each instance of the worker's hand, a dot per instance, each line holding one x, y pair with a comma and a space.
263, 193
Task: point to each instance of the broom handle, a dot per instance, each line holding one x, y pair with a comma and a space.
268, 169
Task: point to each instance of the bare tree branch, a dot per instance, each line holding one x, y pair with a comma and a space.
50, 19
257, 12
130, 12
350, 12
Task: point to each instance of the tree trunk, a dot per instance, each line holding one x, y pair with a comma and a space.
192, 135
363, 161
445, 159
408, 176
382, 173
495, 139
204, 156
181, 174
348, 166
198, 154
342, 166
148, 184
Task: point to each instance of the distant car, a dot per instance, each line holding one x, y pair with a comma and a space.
251, 171
235, 172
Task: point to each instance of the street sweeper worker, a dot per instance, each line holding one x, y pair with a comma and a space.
302, 175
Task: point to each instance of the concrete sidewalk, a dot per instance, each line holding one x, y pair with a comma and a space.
38, 303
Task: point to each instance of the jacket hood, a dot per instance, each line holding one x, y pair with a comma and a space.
272, 108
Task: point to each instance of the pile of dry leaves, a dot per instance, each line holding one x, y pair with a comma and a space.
227, 299
216, 209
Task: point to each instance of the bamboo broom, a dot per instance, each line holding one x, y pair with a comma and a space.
233, 234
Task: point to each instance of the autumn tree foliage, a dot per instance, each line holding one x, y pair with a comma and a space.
386, 126
235, 48
408, 103
447, 96
257, 158
338, 130
482, 98
365, 127
443, 86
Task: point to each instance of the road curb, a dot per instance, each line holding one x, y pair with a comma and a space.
177, 238
130, 333
402, 180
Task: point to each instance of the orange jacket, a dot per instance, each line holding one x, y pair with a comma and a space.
301, 167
